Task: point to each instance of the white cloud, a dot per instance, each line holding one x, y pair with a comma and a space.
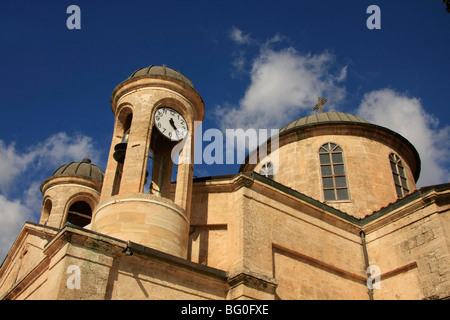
22, 172
32, 196
13, 215
239, 64
62, 148
283, 82
12, 163
343, 75
406, 116
56, 150
238, 36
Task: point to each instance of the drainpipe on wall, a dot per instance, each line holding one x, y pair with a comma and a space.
366, 259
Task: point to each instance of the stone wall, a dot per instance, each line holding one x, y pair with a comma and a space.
411, 248
301, 250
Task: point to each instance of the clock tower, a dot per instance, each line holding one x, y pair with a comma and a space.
155, 110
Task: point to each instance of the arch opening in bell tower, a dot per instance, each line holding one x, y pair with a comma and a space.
168, 135
124, 120
79, 214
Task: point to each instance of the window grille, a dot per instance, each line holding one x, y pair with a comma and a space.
334, 181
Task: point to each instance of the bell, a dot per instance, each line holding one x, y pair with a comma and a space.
120, 149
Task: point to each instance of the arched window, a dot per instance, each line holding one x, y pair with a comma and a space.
332, 167
46, 210
398, 172
121, 147
80, 214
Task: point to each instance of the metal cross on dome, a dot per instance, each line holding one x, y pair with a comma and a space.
319, 106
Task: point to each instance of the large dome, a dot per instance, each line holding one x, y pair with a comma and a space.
325, 117
161, 71
84, 168
340, 159
340, 123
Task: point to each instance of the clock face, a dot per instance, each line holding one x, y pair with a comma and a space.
171, 124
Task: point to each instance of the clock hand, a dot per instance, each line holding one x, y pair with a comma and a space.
172, 124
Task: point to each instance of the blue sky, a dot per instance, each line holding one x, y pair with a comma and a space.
259, 64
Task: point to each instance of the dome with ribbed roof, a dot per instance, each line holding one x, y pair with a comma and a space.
83, 168
161, 71
325, 117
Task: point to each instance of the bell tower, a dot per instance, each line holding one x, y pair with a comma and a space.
155, 110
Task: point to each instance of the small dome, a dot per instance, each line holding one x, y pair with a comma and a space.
161, 71
84, 168
330, 117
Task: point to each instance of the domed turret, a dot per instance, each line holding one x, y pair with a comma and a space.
71, 194
83, 168
161, 71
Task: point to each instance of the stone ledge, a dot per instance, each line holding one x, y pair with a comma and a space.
253, 280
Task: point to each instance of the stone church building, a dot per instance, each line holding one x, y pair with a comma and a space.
338, 216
